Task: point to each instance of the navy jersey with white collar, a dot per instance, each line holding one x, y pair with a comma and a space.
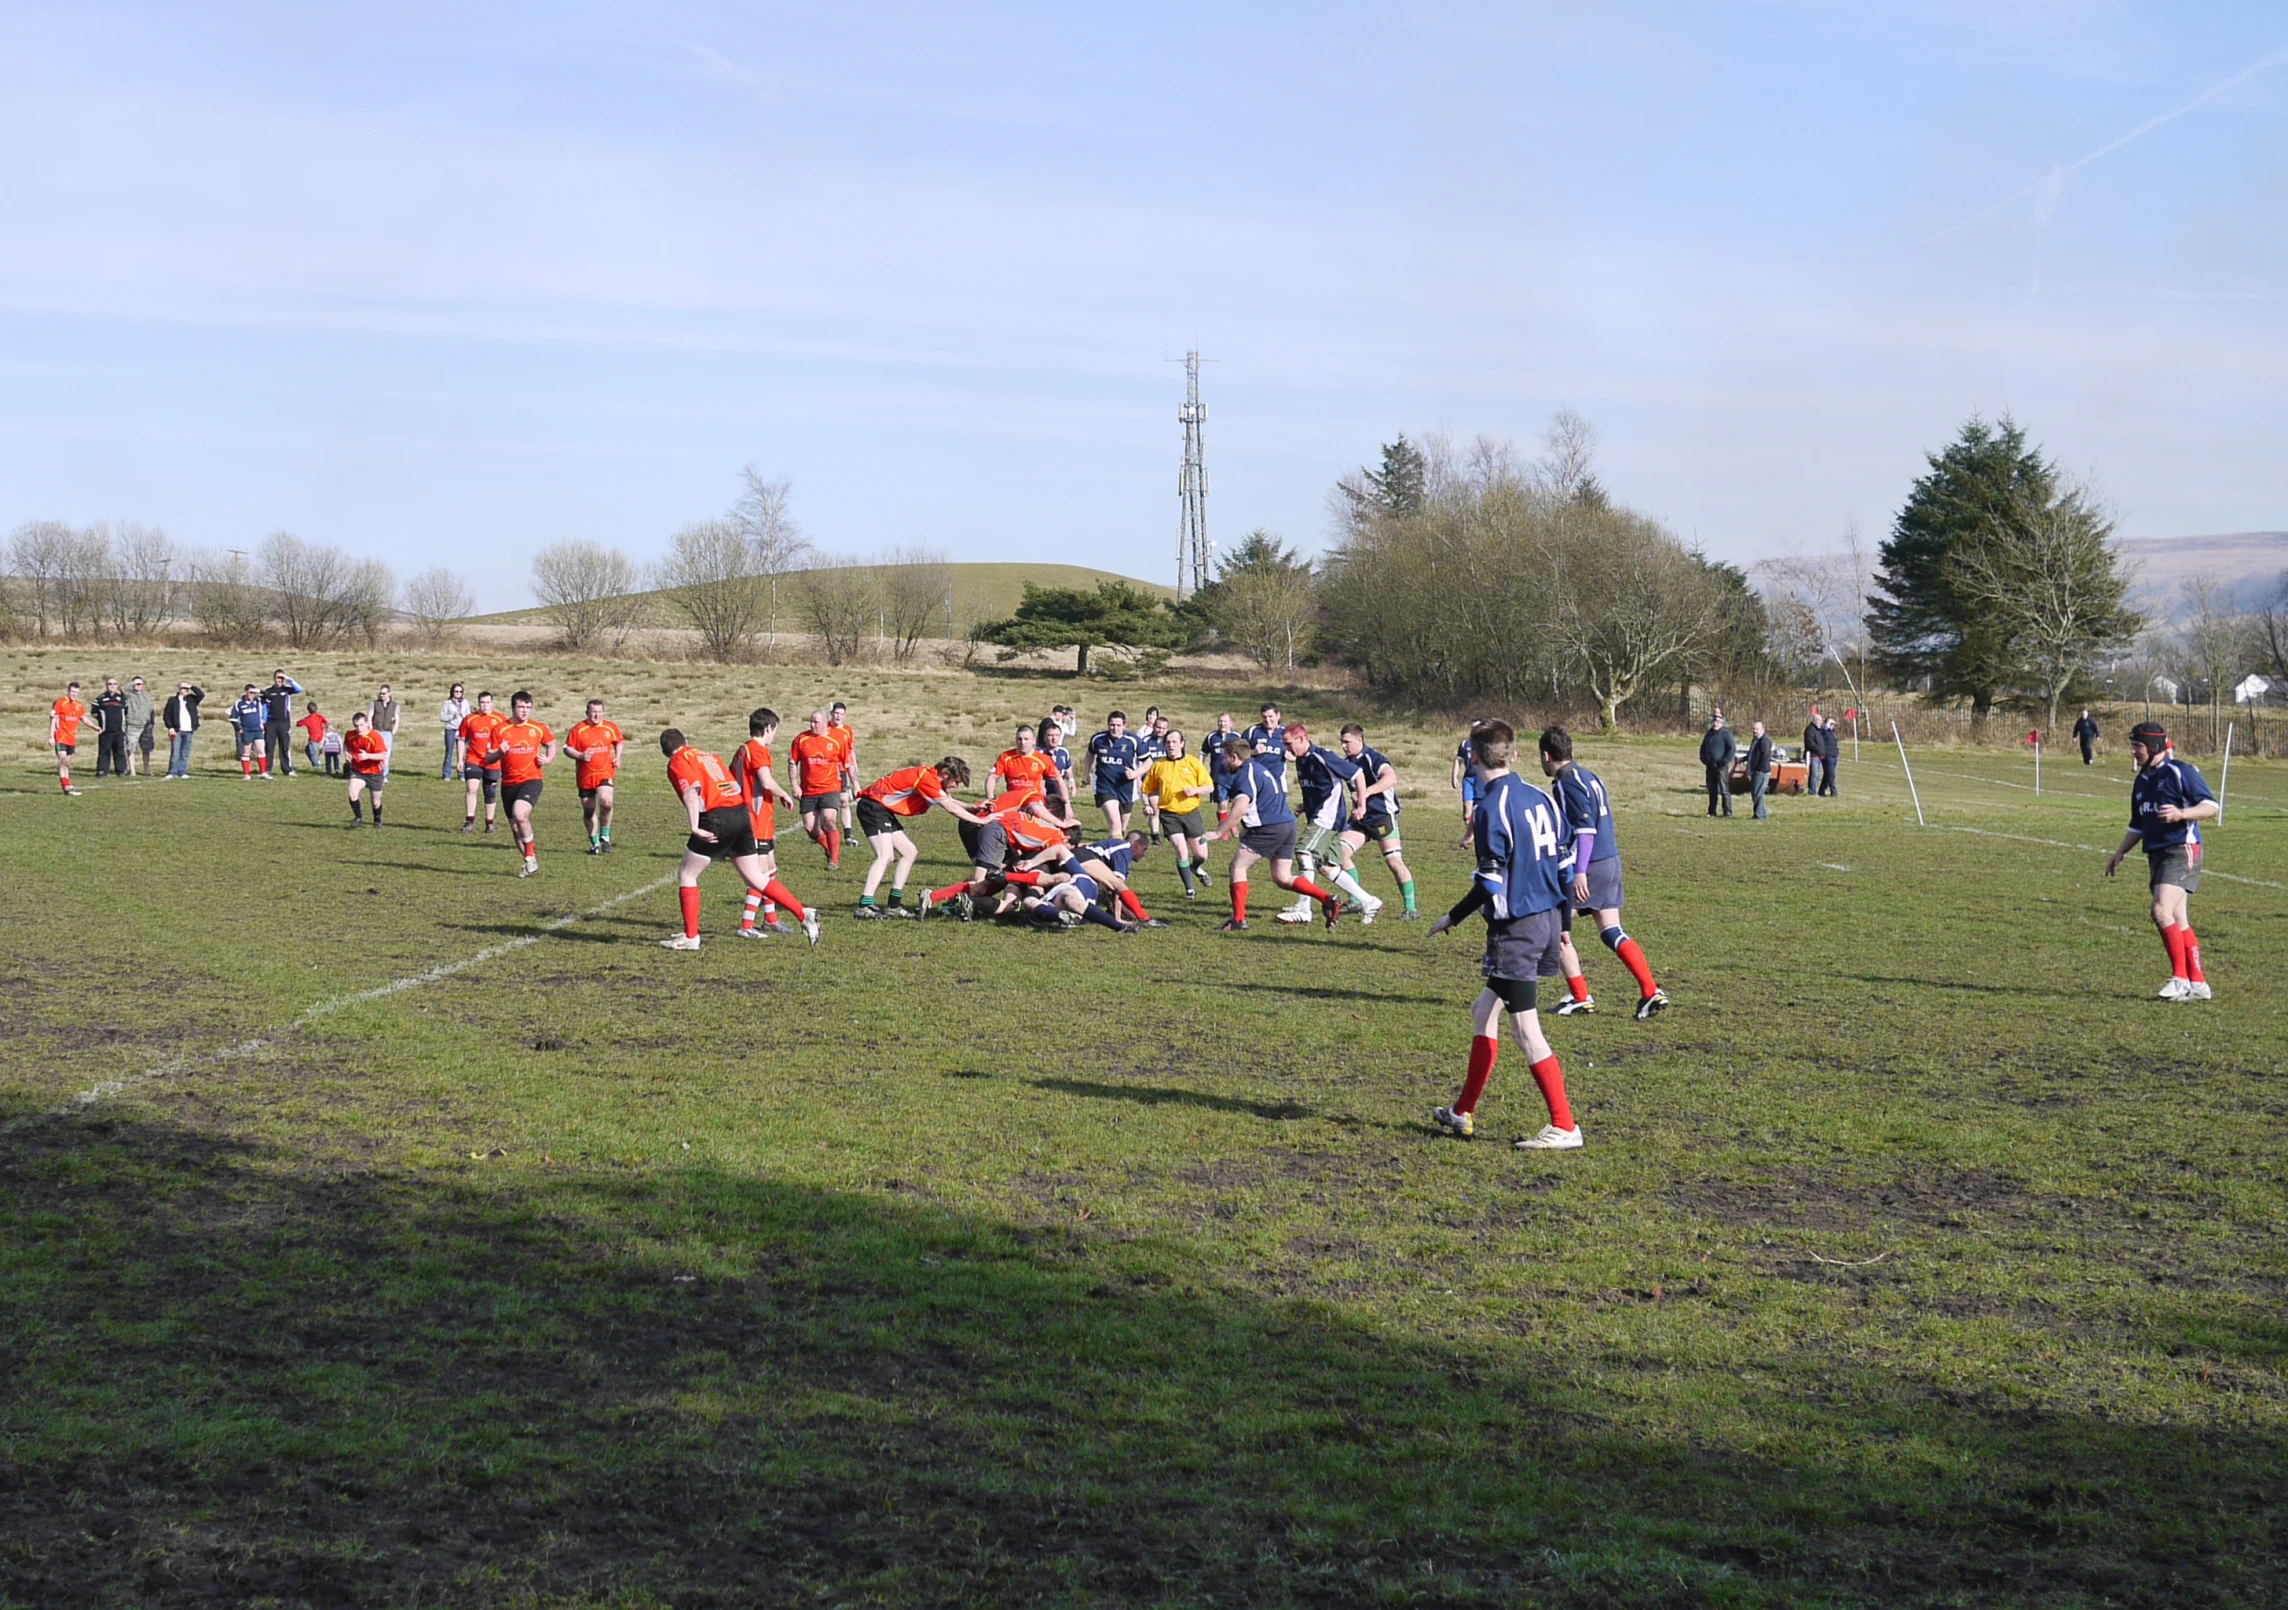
1582, 799
1322, 774
2171, 782
1523, 863
1114, 853
1266, 791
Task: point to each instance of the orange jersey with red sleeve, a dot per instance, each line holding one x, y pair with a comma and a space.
817, 762
597, 738
907, 791
1016, 769
1030, 833
1013, 801
520, 743
748, 765
477, 729
69, 713
368, 752
690, 768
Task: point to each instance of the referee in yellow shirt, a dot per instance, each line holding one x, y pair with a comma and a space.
1178, 785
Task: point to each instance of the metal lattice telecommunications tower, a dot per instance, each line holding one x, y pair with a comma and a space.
1194, 552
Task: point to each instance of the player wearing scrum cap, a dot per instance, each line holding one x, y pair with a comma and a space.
2168, 801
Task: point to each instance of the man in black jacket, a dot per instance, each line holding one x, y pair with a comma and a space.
181, 718
1814, 753
1831, 750
1716, 752
278, 721
110, 711
2086, 731
1759, 768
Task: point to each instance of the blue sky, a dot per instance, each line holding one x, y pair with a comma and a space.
447, 283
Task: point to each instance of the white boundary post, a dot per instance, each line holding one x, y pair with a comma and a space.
1910, 771
2037, 768
2224, 777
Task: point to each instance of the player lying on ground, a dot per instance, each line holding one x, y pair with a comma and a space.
1258, 815
1586, 814
721, 830
884, 808
751, 768
1009, 826
1520, 886
2168, 801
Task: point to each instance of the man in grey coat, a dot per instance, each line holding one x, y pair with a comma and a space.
142, 718
1814, 752
1716, 752
1759, 768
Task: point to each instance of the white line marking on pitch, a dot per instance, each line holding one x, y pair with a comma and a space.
112, 1087
2061, 844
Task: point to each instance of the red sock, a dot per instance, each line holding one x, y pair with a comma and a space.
689, 895
1304, 886
1579, 985
1239, 902
754, 904
265, 765
1134, 907
939, 897
778, 893
2192, 945
532, 850
1483, 1049
1023, 880
2173, 941
834, 844
1552, 1082
1632, 957
245, 767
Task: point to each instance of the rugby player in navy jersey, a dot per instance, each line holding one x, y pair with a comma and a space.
1062, 797
1588, 831
1113, 769
1466, 779
1331, 797
1377, 823
1151, 745
1264, 736
1110, 863
1523, 868
1259, 816
2167, 803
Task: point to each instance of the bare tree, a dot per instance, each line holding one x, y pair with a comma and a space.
917, 590
227, 599
362, 604
1627, 601
837, 600
1268, 614
304, 583
144, 577
434, 600
587, 591
2268, 630
708, 578
779, 546
2214, 639
1567, 470
83, 578
38, 555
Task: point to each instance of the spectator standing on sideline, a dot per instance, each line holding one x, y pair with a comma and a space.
1831, 751
1716, 751
246, 727
1759, 768
1814, 753
278, 721
182, 718
110, 711
313, 728
142, 718
385, 716
2085, 732
452, 713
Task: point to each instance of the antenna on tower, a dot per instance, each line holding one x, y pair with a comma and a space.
1194, 552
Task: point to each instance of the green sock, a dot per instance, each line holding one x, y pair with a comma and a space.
606, 835
865, 899
1407, 889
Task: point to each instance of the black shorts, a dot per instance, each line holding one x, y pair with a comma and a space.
1523, 948
1273, 843
67, 750
588, 795
1376, 829
821, 802
734, 832
987, 843
528, 792
1113, 796
2179, 864
488, 775
1187, 823
876, 819
1604, 885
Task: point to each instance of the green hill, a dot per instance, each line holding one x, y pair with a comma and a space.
980, 592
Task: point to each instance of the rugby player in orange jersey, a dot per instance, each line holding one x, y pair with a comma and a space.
1026, 766
721, 830
524, 746
989, 842
597, 745
816, 757
838, 724
367, 752
480, 760
751, 768
883, 809
64, 717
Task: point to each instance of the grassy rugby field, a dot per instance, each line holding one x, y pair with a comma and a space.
1918, 1256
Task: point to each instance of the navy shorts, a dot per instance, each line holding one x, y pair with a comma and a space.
2179, 864
1125, 798
1273, 843
1524, 947
1604, 885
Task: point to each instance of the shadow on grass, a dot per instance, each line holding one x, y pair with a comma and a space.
232, 1375
1321, 993
1167, 1096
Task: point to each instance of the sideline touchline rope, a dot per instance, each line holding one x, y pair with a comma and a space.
112, 1087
